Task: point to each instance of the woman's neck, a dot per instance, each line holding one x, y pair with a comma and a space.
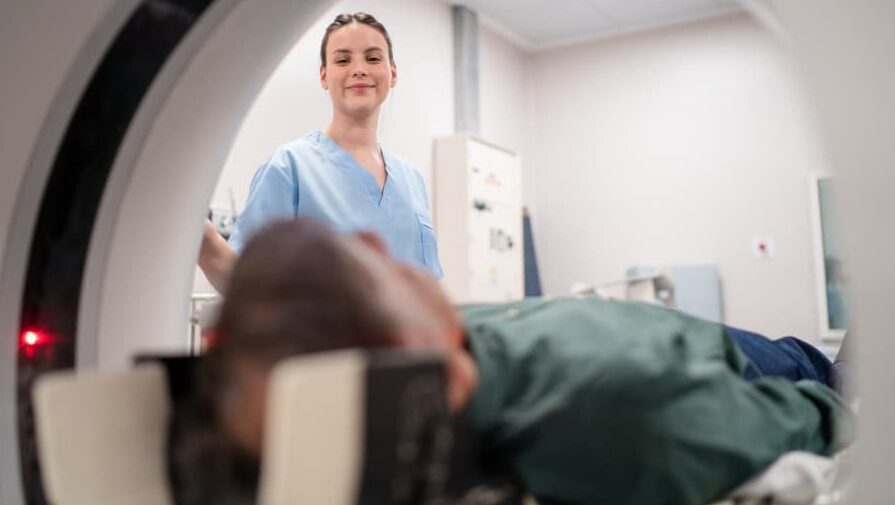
351, 133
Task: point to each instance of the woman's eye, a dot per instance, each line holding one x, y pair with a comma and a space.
341, 61
373, 59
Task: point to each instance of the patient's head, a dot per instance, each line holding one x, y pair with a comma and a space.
300, 288
294, 290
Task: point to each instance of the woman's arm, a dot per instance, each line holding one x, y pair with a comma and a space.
216, 258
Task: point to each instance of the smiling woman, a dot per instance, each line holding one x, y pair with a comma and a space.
341, 174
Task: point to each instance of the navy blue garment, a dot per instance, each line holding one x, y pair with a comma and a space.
532, 277
787, 357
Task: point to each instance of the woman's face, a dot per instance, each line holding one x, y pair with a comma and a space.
358, 73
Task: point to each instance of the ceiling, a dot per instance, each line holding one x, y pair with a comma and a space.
543, 24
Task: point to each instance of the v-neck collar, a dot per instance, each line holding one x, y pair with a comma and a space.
345, 161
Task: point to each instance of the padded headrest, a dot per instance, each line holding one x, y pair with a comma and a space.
355, 427
103, 438
348, 427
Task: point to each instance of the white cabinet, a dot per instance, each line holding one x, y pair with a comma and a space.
478, 219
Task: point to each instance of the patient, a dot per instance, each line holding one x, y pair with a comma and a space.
591, 401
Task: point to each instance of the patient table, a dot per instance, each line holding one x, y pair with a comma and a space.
349, 427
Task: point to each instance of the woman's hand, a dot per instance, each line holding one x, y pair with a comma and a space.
216, 258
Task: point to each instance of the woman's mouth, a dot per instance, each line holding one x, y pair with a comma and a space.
361, 88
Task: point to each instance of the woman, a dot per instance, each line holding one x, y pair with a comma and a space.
341, 174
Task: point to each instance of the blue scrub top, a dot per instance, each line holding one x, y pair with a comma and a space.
314, 177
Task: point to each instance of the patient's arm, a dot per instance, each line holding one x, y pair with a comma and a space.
216, 258
651, 426
720, 430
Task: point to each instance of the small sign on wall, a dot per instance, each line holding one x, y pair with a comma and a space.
763, 246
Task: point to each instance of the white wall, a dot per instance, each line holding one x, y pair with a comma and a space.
292, 103
420, 108
506, 98
678, 145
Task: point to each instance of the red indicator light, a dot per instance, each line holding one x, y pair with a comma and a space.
31, 338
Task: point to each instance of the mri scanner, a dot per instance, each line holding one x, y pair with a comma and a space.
118, 114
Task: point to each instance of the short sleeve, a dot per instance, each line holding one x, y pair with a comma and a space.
421, 190
273, 194
429, 242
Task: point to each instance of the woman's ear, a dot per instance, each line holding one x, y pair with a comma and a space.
323, 82
394, 75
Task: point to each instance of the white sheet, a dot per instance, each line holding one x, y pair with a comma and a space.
798, 478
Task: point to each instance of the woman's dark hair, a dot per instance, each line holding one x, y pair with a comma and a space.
347, 19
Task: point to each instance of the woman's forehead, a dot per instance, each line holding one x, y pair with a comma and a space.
356, 37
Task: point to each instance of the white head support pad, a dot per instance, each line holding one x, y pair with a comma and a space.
103, 438
313, 444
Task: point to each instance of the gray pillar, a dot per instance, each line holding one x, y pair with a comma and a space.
466, 70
